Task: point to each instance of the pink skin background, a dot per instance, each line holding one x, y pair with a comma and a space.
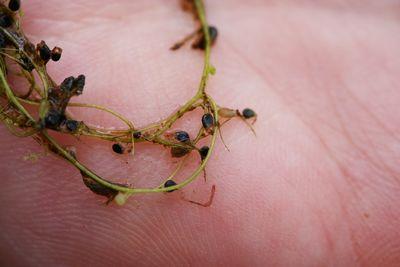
318, 186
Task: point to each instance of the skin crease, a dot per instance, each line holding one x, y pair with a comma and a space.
318, 186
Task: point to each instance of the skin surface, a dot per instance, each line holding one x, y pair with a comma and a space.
318, 186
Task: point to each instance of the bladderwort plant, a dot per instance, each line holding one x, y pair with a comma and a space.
50, 100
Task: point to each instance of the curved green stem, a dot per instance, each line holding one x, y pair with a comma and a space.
12, 98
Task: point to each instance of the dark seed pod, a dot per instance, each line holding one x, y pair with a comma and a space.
204, 152
72, 125
99, 189
182, 136
201, 43
248, 113
117, 148
207, 120
137, 135
14, 5
178, 152
44, 51
53, 119
5, 20
67, 84
170, 183
79, 83
56, 53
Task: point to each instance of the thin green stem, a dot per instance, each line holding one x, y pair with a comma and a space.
11, 97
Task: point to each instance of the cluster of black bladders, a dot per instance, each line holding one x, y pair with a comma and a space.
46, 54
58, 98
43, 52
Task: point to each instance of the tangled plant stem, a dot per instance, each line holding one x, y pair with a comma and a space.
52, 100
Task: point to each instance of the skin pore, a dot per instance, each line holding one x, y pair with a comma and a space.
318, 186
